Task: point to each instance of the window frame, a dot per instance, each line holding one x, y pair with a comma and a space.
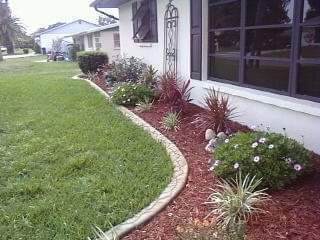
90, 40
116, 40
153, 21
294, 60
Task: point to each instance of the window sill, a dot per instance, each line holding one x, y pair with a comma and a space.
145, 45
294, 104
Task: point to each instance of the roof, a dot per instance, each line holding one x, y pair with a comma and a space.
108, 3
97, 29
61, 26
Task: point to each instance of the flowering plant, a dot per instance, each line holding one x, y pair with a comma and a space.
275, 158
130, 94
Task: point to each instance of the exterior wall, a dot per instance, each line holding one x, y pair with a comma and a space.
107, 44
47, 39
299, 117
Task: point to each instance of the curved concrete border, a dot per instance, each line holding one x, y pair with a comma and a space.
177, 183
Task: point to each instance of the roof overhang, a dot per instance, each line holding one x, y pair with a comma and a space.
108, 3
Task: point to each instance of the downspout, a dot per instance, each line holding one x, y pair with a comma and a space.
106, 14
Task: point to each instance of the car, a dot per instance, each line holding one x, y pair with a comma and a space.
3, 49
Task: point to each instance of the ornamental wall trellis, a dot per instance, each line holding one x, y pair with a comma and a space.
171, 18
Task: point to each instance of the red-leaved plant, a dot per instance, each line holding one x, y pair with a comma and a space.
174, 91
218, 113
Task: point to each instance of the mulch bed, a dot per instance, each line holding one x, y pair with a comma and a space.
293, 213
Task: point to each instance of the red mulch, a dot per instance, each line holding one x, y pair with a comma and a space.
293, 213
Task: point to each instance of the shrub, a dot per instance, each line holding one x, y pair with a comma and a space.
25, 50
130, 94
174, 91
128, 70
234, 202
171, 121
218, 113
276, 159
89, 62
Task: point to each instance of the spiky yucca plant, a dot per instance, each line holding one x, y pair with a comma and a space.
218, 113
144, 106
235, 201
171, 121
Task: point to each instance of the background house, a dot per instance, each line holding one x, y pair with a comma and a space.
250, 50
46, 38
105, 39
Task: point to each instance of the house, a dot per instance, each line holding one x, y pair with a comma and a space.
46, 38
249, 50
105, 39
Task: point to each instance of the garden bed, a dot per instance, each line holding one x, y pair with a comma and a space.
292, 214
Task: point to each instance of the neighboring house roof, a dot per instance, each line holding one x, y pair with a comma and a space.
64, 25
98, 29
108, 3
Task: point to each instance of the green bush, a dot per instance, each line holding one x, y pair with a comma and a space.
130, 94
276, 159
89, 62
37, 48
25, 50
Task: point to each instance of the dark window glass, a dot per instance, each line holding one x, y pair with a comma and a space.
267, 74
224, 68
311, 11
225, 42
273, 42
225, 15
269, 12
309, 80
310, 42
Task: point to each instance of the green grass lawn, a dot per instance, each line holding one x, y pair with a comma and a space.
68, 159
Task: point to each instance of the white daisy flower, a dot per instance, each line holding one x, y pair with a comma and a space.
256, 159
297, 167
236, 166
123, 95
227, 140
254, 145
262, 140
271, 146
122, 90
129, 100
236, 146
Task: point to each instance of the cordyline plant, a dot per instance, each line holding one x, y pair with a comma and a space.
235, 201
174, 91
218, 113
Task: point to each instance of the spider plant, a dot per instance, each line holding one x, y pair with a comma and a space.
235, 201
144, 106
171, 121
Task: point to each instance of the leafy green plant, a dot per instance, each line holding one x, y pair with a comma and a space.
89, 62
127, 70
144, 106
171, 121
130, 94
150, 77
234, 202
218, 113
275, 158
174, 91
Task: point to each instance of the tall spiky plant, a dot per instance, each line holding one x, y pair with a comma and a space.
235, 201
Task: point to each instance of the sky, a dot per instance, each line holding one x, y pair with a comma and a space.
35, 14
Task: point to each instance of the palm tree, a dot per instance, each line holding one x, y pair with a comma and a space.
10, 27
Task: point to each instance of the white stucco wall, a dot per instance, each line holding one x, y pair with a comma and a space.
107, 44
299, 117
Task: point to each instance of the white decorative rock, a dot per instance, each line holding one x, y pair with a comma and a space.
209, 148
209, 134
213, 142
222, 135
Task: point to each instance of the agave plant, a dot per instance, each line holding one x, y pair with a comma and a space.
235, 201
171, 121
174, 91
218, 113
144, 106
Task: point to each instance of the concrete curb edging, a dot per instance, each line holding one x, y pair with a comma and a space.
176, 185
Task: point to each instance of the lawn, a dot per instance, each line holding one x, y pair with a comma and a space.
68, 159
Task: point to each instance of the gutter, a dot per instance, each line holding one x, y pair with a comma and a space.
106, 14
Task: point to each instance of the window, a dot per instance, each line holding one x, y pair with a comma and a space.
271, 45
144, 19
116, 40
90, 41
